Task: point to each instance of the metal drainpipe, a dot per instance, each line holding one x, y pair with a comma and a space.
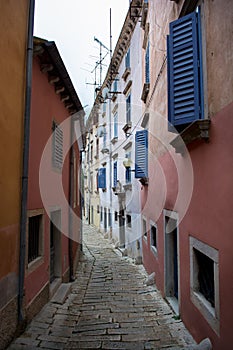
23, 216
81, 201
110, 127
71, 191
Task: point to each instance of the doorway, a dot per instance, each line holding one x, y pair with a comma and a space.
171, 260
55, 245
122, 228
105, 220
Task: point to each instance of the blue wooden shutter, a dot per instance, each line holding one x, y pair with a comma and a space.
184, 70
141, 154
114, 174
147, 64
102, 178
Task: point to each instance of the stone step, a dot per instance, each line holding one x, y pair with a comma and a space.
62, 293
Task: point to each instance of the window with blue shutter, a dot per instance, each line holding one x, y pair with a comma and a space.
115, 174
127, 59
128, 175
141, 154
185, 91
128, 109
102, 178
147, 64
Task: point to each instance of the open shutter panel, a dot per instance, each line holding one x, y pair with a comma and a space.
141, 154
147, 66
183, 71
102, 178
115, 174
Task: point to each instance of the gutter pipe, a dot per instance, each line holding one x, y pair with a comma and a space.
26, 139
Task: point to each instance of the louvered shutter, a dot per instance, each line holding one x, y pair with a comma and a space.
147, 65
102, 178
184, 70
141, 154
57, 153
115, 174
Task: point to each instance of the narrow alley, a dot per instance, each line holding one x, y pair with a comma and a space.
109, 307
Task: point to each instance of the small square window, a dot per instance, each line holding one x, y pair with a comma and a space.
34, 237
204, 280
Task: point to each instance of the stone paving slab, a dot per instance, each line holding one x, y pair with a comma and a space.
109, 307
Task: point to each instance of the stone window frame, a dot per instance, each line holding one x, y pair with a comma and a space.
152, 247
210, 313
34, 264
145, 237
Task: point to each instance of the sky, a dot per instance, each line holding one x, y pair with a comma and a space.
73, 24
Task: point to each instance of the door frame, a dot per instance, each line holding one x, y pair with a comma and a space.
169, 260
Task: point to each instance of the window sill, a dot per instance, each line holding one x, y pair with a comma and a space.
127, 127
33, 265
145, 92
114, 140
114, 97
105, 150
198, 130
128, 86
127, 187
144, 181
126, 73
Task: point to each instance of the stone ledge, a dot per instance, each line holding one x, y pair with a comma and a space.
198, 130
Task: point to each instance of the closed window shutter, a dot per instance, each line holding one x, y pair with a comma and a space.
102, 178
115, 174
147, 66
184, 70
57, 153
141, 154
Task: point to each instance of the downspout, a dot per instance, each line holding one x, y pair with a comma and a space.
71, 191
81, 201
26, 139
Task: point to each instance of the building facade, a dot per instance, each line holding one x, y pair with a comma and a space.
178, 148
186, 203
113, 123
14, 26
53, 236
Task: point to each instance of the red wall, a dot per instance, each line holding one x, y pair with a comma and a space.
46, 106
208, 218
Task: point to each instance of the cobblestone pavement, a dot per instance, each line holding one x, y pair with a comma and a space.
109, 307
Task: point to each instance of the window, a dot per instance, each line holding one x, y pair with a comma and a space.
34, 237
115, 126
141, 154
109, 218
116, 216
144, 229
127, 59
102, 178
101, 214
74, 180
204, 280
185, 88
153, 238
91, 153
104, 107
115, 174
128, 175
115, 86
128, 221
128, 109
147, 64
98, 209
97, 148
57, 146
104, 139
